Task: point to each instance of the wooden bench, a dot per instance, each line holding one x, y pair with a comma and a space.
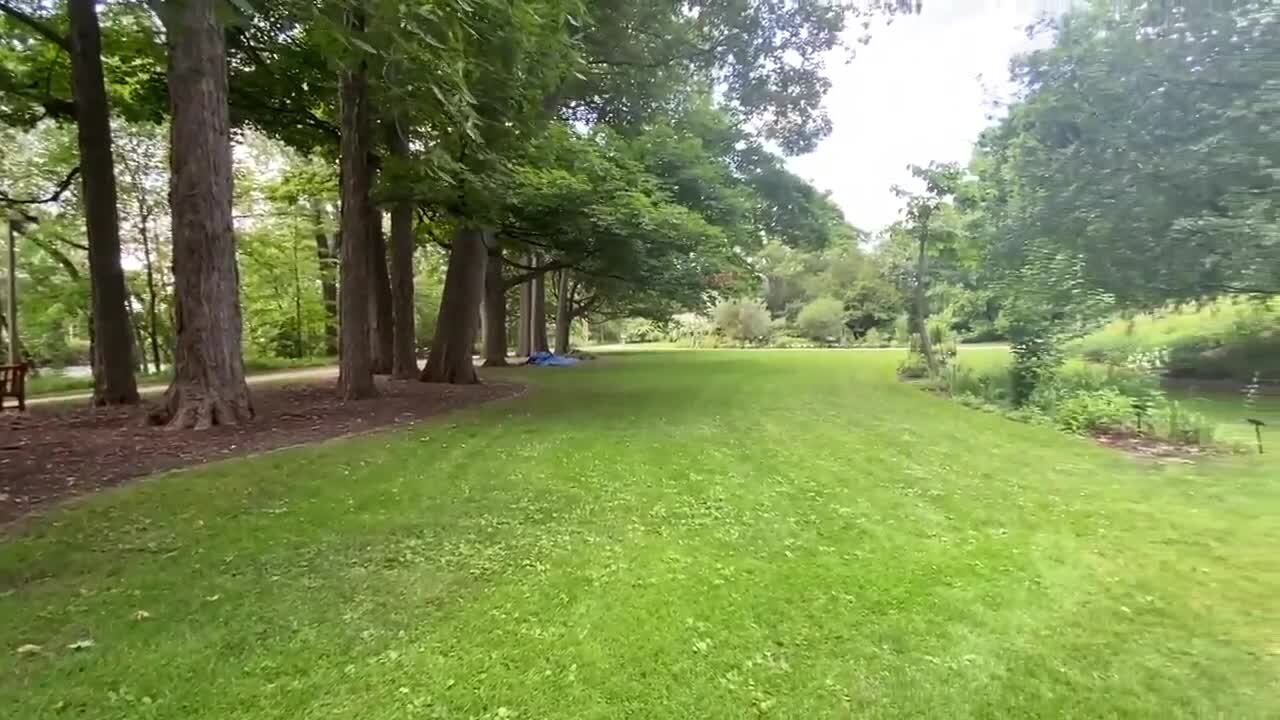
13, 384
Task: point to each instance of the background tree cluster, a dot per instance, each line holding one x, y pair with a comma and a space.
1138, 168
198, 179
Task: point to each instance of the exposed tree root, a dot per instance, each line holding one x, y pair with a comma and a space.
192, 407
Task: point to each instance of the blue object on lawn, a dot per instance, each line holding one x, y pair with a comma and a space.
546, 359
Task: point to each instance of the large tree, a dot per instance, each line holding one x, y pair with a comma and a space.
449, 360
355, 369
922, 208
1141, 149
404, 362
36, 50
209, 386
527, 49
112, 338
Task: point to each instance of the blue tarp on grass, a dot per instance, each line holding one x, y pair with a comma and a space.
546, 359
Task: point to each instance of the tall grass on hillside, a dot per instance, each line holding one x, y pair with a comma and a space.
1226, 340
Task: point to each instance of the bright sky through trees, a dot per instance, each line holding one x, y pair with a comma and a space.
921, 90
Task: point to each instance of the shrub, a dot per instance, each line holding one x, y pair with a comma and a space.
914, 367
1092, 410
1077, 377
1081, 399
790, 341
638, 330
58, 352
701, 342
902, 330
990, 384
1036, 359
822, 319
746, 321
691, 330
1174, 422
875, 339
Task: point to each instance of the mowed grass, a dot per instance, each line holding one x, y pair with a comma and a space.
663, 535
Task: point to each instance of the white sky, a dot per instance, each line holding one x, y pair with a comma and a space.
922, 90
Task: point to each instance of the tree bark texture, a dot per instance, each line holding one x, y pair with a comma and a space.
328, 283
538, 315
404, 355
355, 369
450, 358
208, 386
381, 320
495, 311
113, 359
565, 290
523, 336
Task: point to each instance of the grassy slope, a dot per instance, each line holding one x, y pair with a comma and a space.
1230, 339
718, 534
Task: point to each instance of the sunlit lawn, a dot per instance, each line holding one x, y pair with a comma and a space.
663, 535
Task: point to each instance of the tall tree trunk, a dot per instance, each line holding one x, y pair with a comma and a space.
495, 311
113, 380
140, 358
538, 315
153, 320
450, 358
355, 369
300, 340
922, 303
208, 385
524, 332
328, 280
565, 290
404, 356
381, 320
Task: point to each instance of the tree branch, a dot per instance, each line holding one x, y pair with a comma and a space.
53, 197
40, 27
533, 272
695, 52
60, 257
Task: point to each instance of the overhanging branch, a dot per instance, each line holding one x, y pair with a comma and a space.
533, 272
39, 26
53, 197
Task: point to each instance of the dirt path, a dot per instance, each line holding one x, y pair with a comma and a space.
282, 376
56, 451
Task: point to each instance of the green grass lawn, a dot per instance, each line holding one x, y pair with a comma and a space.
663, 535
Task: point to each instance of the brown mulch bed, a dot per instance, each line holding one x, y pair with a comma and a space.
1150, 448
54, 452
